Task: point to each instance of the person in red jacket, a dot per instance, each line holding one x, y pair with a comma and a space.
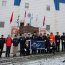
8, 45
51, 36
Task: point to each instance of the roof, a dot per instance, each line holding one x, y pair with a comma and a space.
29, 29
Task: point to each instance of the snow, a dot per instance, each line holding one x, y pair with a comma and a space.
55, 61
42, 59
47, 61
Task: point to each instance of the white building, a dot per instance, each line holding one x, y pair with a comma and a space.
38, 8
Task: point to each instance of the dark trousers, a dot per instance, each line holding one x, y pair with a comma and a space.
27, 52
57, 47
52, 50
39, 51
63, 47
8, 51
21, 50
1, 49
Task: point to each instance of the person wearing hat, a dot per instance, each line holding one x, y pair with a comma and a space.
57, 41
15, 45
22, 41
63, 41
44, 38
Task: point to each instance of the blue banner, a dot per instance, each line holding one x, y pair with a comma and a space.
17, 2
35, 44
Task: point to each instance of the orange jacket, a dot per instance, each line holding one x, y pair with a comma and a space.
52, 37
8, 41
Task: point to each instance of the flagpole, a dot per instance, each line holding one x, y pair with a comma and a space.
44, 21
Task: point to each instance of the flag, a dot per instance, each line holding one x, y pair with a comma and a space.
11, 18
25, 14
4, 2
44, 21
18, 20
31, 18
17, 2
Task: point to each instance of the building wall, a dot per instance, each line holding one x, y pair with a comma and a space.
56, 19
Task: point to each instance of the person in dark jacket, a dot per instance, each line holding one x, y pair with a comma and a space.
47, 43
34, 37
2, 41
44, 37
22, 41
39, 38
57, 41
15, 45
63, 41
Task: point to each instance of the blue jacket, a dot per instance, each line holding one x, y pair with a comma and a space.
15, 41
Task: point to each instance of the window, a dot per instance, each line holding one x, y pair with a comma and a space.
26, 5
4, 2
48, 27
48, 8
1, 24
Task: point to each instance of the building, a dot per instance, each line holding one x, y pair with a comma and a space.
33, 12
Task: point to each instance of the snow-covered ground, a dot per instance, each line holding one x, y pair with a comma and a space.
51, 61
35, 60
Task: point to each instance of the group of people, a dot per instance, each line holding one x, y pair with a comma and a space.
52, 43
9, 41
